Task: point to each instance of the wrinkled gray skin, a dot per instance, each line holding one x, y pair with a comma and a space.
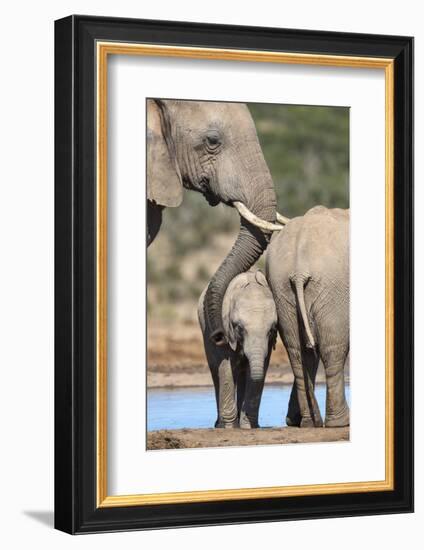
211, 148
250, 324
308, 271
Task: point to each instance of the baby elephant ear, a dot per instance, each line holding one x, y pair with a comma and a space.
232, 340
164, 186
260, 278
226, 321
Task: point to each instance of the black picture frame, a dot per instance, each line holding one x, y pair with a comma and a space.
76, 510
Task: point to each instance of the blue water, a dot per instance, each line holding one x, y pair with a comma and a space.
179, 408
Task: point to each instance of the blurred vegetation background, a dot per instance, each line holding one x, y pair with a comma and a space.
307, 151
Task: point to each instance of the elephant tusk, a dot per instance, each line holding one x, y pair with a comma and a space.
253, 219
282, 219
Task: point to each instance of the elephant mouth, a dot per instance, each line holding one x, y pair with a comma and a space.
207, 192
212, 199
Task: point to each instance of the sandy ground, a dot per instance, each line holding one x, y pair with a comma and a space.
176, 358
187, 439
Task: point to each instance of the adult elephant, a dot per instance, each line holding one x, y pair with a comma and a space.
307, 269
211, 148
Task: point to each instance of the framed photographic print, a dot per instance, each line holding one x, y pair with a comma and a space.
233, 266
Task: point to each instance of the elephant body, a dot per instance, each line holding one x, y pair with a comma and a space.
238, 369
212, 148
307, 269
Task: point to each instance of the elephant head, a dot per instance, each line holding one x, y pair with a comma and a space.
250, 320
213, 148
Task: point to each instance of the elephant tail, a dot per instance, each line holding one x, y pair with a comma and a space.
299, 282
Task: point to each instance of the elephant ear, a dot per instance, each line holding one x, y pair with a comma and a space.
232, 340
164, 186
227, 306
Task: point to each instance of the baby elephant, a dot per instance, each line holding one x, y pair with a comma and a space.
250, 324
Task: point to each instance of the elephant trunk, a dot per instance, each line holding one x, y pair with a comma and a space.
256, 369
247, 249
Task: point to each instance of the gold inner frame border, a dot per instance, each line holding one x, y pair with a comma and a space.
103, 50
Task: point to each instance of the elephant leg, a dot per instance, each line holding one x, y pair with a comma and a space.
337, 409
298, 412
154, 221
310, 364
241, 388
303, 409
249, 417
219, 363
293, 417
289, 333
215, 379
227, 406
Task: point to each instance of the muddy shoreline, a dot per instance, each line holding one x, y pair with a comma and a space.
201, 438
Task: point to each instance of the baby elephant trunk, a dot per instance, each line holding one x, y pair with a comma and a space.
256, 364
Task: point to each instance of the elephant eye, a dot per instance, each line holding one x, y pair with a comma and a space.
212, 140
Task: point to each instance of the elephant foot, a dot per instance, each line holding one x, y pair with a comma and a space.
226, 425
338, 420
246, 423
307, 422
317, 420
293, 421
